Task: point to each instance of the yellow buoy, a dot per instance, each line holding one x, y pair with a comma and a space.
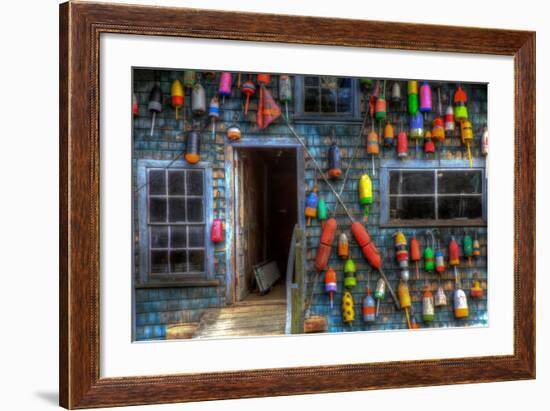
177, 96
348, 312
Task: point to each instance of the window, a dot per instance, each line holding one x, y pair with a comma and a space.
414, 196
173, 209
329, 97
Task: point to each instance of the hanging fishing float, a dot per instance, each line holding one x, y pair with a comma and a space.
416, 128
178, 96
428, 312
429, 146
372, 146
198, 100
214, 114
155, 104
379, 293
325, 244
189, 79
440, 299
366, 84
285, 91
405, 299
321, 211
248, 89
438, 124
217, 231
389, 134
460, 110
264, 79
476, 291
334, 166
233, 132
460, 304
135, 105
396, 94
468, 248
467, 136
402, 145
439, 260
365, 194
349, 274
454, 257
415, 254
348, 311
425, 98
380, 107
450, 116
192, 147
312, 202
224, 87
369, 309
429, 254
402, 254
412, 96
476, 247
485, 142
330, 284
343, 246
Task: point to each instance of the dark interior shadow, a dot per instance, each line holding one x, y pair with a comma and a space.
51, 397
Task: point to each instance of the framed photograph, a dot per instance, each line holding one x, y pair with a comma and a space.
257, 205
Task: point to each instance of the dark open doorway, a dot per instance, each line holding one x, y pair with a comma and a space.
267, 211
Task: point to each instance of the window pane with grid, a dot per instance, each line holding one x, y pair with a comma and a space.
326, 95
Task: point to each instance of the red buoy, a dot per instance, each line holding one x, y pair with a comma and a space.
325, 244
368, 248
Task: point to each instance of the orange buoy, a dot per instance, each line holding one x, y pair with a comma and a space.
325, 244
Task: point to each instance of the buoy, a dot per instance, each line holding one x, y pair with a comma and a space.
248, 89
417, 126
440, 299
449, 119
334, 167
224, 88
135, 105
460, 109
214, 114
369, 309
349, 274
468, 248
476, 247
402, 145
330, 284
425, 98
438, 130
429, 146
365, 194
428, 312
454, 257
192, 147
372, 147
412, 96
396, 93
388, 134
198, 100
467, 135
233, 132
402, 254
380, 106
415, 254
404, 300
311, 205
476, 291
485, 142
178, 96
264, 78
366, 83
343, 246
348, 311
367, 246
155, 104
379, 293
439, 260
285, 91
321, 211
325, 244
189, 78
217, 232
429, 255
460, 304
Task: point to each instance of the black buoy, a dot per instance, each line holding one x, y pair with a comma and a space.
155, 104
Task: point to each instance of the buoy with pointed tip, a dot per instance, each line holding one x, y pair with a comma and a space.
311, 205
389, 134
348, 310
467, 136
155, 105
192, 147
224, 88
178, 96
476, 291
405, 300
380, 107
189, 78
425, 97
349, 274
460, 109
331, 284
334, 162
468, 247
248, 89
322, 211
214, 114
369, 308
440, 299
343, 246
415, 254
365, 194
379, 293
198, 100
428, 312
438, 129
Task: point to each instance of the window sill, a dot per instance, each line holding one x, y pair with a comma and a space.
431, 223
178, 283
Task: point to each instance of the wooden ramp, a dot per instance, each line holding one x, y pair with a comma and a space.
243, 320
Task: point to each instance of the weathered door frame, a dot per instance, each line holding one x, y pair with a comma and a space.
231, 179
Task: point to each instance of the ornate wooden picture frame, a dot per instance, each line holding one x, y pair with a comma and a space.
81, 25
